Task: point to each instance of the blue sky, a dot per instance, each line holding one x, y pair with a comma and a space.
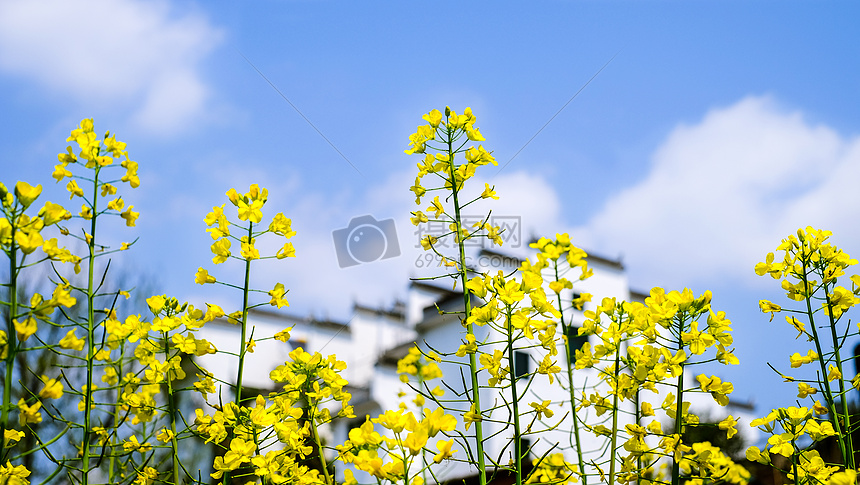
718, 129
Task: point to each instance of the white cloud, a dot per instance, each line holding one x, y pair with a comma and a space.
112, 52
723, 192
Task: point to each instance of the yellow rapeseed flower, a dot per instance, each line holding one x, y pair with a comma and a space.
445, 450
72, 342
130, 216
221, 250
53, 389
472, 416
132, 444
277, 294
25, 329
26, 193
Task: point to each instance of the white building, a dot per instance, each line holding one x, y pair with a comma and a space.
359, 342
373, 340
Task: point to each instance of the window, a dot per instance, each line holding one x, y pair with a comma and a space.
575, 341
521, 364
575, 296
355, 423
298, 342
525, 449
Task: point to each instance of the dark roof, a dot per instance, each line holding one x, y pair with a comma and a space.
328, 324
591, 257
331, 324
432, 287
398, 310
637, 295
493, 252
746, 406
616, 263
360, 394
274, 314
451, 304
394, 354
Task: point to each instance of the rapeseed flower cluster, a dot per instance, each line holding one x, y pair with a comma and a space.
554, 469
127, 421
25, 243
445, 137
441, 140
393, 458
413, 364
809, 271
249, 209
640, 346
649, 347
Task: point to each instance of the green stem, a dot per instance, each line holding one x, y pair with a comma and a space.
405, 458
794, 461
420, 416
43, 445
515, 398
11, 338
172, 410
828, 393
848, 449
570, 366
614, 439
91, 346
467, 309
320, 449
242, 345
246, 290
679, 407
637, 417
117, 412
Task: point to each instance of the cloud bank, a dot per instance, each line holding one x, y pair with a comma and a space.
723, 192
106, 52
